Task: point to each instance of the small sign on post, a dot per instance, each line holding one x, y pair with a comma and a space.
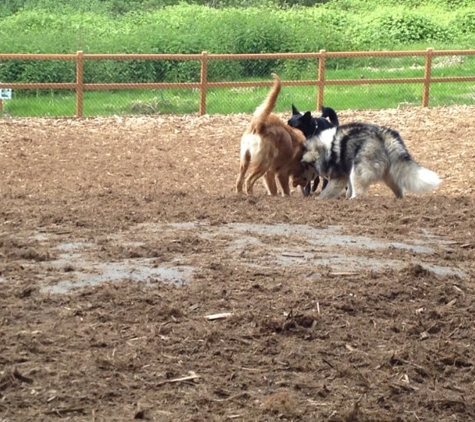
5, 94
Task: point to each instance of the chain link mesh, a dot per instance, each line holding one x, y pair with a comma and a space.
92, 85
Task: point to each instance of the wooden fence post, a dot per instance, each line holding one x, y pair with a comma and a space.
203, 81
427, 74
79, 83
321, 79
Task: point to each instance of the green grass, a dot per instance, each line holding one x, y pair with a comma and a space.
446, 94
40, 105
226, 101
176, 101
105, 103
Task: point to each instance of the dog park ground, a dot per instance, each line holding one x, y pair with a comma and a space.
135, 284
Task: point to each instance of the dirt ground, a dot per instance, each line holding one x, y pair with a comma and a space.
135, 284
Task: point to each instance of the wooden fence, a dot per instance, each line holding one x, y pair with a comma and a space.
203, 85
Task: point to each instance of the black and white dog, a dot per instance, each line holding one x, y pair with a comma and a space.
356, 155
311, 126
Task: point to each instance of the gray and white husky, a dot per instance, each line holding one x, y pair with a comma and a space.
357, 155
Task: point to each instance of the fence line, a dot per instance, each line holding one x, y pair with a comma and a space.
80, 86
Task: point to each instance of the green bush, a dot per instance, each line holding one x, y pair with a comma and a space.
65, 26
465, 22
410, 28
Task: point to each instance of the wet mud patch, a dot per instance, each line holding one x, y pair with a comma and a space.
179, 252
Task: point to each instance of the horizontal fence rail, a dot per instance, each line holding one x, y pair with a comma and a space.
79, 86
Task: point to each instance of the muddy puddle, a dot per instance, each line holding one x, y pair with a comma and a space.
78, 264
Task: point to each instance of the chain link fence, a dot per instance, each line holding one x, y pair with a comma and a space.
122, 84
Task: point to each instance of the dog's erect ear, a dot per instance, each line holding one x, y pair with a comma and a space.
294, 110
308, 116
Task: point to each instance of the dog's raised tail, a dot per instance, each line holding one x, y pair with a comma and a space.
265, 109
331, 114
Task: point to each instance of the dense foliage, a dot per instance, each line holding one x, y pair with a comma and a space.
155, 26
120, 7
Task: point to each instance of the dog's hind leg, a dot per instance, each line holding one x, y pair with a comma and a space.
398, 190
256, 172
244, 166
284, 183
269, 181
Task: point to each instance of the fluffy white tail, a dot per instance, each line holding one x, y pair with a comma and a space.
412, 177
404, 171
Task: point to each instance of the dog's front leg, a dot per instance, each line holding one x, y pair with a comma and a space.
333, 189
349, 190
316, 181
305, 189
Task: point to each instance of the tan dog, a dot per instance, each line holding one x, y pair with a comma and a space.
271, 148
